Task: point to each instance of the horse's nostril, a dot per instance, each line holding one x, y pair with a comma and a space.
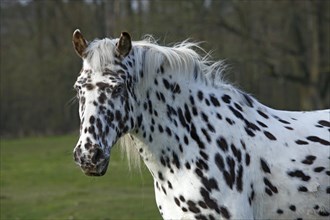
83, 161
77, 153
75, 156
98, 154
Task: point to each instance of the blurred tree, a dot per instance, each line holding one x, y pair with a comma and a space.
283, 39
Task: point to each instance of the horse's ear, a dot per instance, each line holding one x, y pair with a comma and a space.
79, 43
124, 45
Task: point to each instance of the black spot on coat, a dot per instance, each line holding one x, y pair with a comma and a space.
299, 174
309, 160
324, 123
226, 99
236, 113
319, 140
262, 114
248, 99
176, 160
222, 144
269, 136
219, 162
214, 101
224, 212
301, 142
302, 189
264, 166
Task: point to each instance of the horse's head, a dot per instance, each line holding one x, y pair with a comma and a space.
104, 108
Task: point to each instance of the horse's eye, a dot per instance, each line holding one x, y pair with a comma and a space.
117, 89
77, 88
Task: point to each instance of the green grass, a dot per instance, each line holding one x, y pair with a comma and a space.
39, 180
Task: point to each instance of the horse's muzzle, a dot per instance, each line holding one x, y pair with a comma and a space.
95, 163
98, 170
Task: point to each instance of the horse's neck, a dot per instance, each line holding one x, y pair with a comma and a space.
169, 109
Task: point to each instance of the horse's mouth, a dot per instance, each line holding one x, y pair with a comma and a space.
98, 170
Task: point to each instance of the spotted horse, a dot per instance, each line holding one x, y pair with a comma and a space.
214, 151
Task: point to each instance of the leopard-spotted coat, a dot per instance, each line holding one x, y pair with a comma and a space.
214, 151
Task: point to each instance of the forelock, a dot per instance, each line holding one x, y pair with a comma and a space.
100, 53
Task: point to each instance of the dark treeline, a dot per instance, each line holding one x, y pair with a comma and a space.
277, 50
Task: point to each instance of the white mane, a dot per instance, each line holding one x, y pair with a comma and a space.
182, 57
99, 53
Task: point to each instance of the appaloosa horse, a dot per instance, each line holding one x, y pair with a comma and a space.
214, 152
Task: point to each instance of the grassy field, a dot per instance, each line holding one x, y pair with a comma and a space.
39, 180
